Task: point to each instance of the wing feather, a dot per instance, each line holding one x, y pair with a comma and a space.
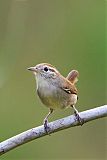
68, 87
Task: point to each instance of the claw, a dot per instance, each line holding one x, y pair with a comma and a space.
46, 127
45, 122
79, 119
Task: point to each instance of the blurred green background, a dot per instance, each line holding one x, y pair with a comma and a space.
70, 34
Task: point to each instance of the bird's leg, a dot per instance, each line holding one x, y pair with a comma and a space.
79, 119
45, 122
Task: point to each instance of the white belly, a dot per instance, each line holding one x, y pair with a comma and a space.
54, 97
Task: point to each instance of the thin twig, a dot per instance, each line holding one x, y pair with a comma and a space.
55, 126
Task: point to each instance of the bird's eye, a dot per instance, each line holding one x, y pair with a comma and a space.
45, 69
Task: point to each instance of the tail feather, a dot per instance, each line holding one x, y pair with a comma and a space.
73, 76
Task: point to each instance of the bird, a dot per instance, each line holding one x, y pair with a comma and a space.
56, 91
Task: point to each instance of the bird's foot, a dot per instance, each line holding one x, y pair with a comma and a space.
79, 119
46, 127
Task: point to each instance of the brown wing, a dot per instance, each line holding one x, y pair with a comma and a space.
68, 87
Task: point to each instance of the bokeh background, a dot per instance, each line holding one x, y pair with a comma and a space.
70, 34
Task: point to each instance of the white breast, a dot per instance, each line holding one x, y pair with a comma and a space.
52, 96
43, 85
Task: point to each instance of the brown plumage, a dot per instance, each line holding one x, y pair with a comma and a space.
73, 76
54, 90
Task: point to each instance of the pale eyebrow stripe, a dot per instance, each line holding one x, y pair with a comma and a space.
51, 69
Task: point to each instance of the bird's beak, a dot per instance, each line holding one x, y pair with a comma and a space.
33, 69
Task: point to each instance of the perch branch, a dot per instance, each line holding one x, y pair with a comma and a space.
55, 126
